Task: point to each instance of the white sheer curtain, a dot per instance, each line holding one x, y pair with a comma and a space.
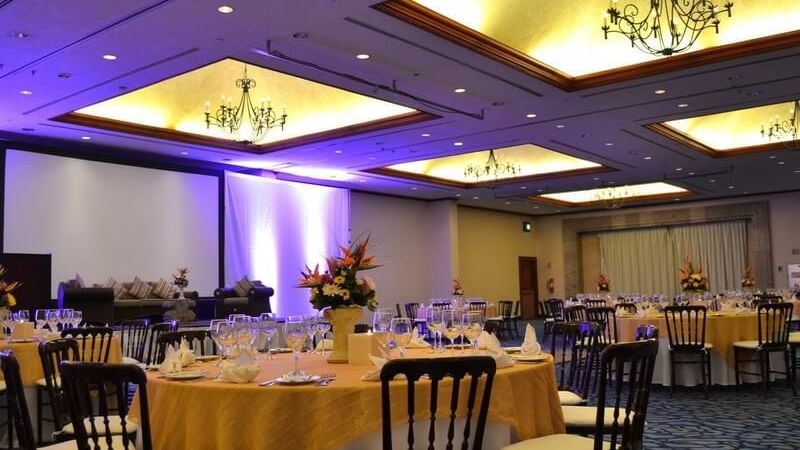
647, 260
274, 228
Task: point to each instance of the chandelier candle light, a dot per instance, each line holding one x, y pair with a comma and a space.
784, 130
237, 119
668, 27
492, 168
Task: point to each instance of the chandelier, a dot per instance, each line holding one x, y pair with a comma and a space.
612, 197
245, 122
785, 129
492, 168
668, 27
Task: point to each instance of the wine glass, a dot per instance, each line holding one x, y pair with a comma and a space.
451, 326
269, 327
22, 316
472, 325
66, 318
381, 326
323, 327
77, 318
295, 332
401, 333
7, 317
213, 331
40, 318
434, 322
310, 324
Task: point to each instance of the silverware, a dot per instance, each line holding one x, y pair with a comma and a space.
269, 382
326, 378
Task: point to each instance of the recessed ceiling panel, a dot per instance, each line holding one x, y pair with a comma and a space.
566, 36
178, 103
587, 197
531, 160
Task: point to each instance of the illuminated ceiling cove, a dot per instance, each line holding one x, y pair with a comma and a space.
567, 37
532, 159
592, 196
734, 129
178, 103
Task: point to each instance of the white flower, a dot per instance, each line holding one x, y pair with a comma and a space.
370, 283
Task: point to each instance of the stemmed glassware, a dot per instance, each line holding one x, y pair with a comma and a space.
433, 319
77, 318
451, 326
472, 325
381, 327
295, 333
401, 333
269, 328
310, 324
223, 333
323, 327
22, 316
6, 318
40, 318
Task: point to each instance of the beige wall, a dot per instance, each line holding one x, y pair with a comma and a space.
489, 245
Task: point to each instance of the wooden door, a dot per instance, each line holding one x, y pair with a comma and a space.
528, 287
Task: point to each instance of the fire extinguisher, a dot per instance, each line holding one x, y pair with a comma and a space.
551, 285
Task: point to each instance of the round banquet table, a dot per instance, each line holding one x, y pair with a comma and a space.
721, 331
211, 414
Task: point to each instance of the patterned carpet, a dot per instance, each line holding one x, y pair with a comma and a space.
730, 419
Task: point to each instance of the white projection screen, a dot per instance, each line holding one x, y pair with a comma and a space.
99, 219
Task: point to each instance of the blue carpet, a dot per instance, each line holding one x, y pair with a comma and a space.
730, 419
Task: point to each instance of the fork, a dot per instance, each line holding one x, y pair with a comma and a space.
326, 378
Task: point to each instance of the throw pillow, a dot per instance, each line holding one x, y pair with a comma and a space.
78, 281
162, 289
116, 286
243, 286
140, 289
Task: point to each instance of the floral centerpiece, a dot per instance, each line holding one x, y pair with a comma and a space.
179, 278
748, 281
7, 298
342, 292
457, 289
603, 283
692, 278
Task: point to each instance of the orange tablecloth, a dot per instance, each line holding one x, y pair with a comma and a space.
721, 331
210, 414
30, 365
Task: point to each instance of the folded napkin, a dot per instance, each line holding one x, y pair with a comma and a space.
176, 359
417, 341
243, 369
530, 346
325, 344
375, 374
186, 354
495, 350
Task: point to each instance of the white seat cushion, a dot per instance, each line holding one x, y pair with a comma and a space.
2, 386
586, 416
752, 345
557, 442
114, 423
794, 337
570, 398
116, 444
43, 383
129, 360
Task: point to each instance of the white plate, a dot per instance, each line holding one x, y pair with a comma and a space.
206, 358
531, 358
186, 375
304, 380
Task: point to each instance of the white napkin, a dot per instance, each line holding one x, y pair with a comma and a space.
243, 369
171, 363
186, 354
530, 346
325, 344
417, 341
493, 349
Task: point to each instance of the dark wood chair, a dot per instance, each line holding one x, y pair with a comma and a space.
156, 330
477, 306
554, 313
441, 305
516, 316
621, 411
94, 342
576, 313
572, 348
133, 337
48, 389
606, 317
686, 329
644, 332
93, 390
437, 369
507, 318
197, 340
18, 407
399, 313
628, 308
411, 310
773, 337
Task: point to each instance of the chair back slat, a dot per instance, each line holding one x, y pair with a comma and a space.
773, 325
156, 330
17, 406
51, 354
572, 347
437, 369
506, 308
196, 339
95, 342
411, 310
594, 303
575, 313
479, 306
108, 384
629, 399
554, 308
133, 336
686, 327
607, 319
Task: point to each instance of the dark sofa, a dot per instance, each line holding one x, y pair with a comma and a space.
256, 302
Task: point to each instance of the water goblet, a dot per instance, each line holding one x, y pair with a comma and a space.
434, 322
40, 318
451, 326
213, 331
269, 327
472, 325
77, 318
295, 332
310, 324
22, 316
323, 327
401, 333
381, 327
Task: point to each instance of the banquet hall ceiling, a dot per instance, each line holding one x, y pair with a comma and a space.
51, 64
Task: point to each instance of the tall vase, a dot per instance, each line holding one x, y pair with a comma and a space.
343, 321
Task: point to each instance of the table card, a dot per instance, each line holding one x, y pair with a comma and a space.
360, 347
23, 330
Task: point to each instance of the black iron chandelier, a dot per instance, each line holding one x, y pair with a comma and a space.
259, 119
492, 168
783, 129
668, 27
